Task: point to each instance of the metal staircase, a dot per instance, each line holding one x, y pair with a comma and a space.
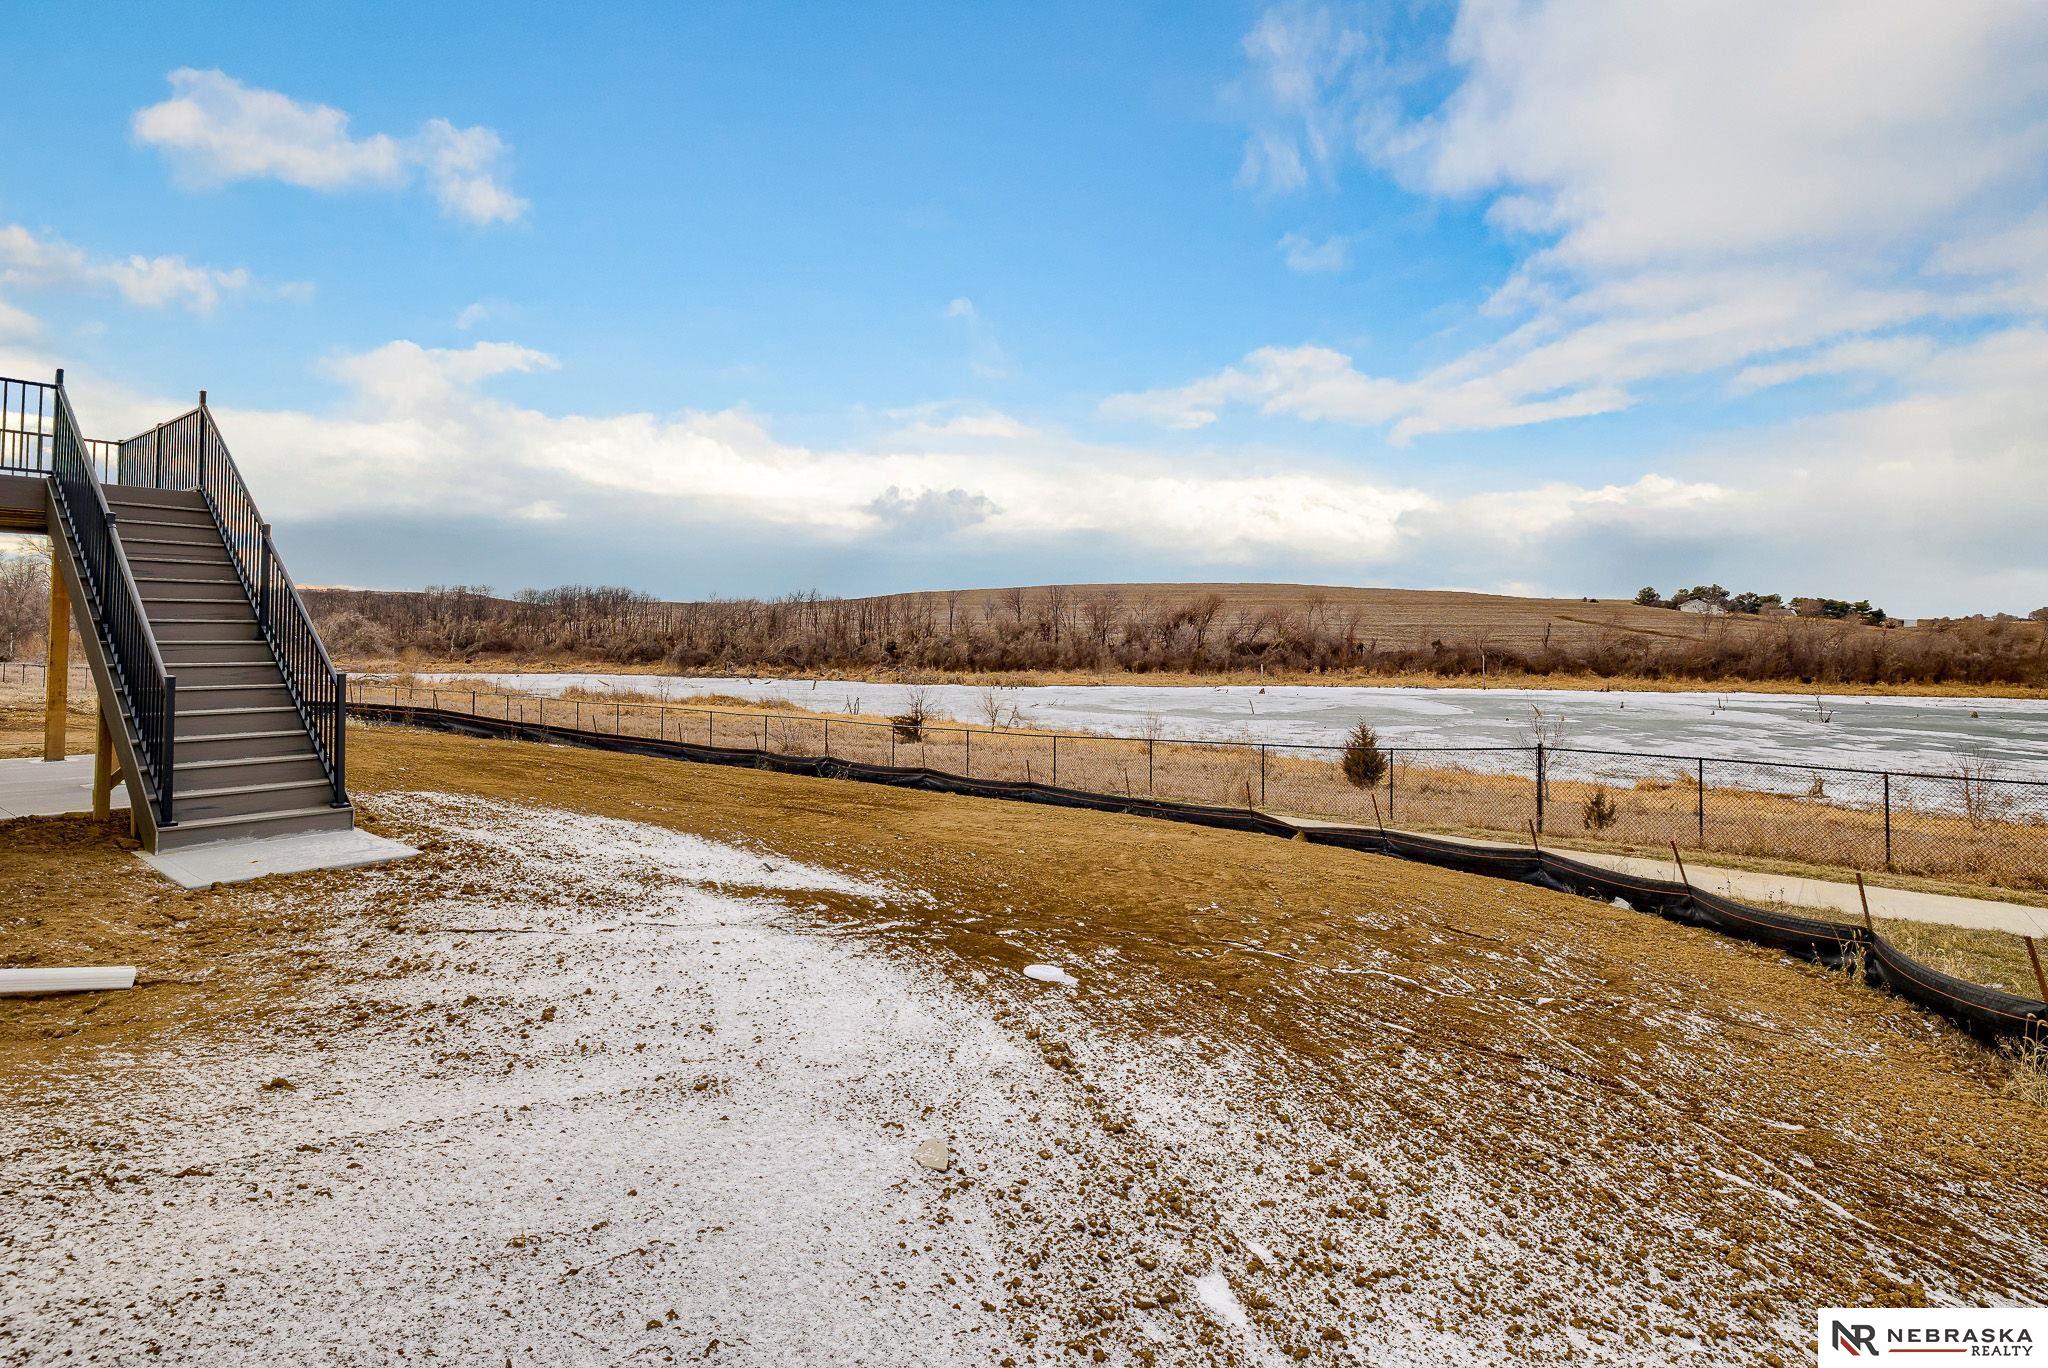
231, 713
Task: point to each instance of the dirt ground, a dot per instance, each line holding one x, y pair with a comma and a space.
1297, 1103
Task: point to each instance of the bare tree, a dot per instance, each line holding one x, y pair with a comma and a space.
24, 601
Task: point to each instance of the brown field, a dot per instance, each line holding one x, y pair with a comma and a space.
1998, 855
1398, 619
1402, 1113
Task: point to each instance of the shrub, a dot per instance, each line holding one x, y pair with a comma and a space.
1365, 764
1599, 811
911, 722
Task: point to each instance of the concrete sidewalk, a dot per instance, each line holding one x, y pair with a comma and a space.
63, 788
50, 788
1792, 890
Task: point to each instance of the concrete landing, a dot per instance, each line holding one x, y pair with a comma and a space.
50, 788
227, 862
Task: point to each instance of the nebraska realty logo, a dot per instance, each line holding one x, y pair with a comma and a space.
1856, 1336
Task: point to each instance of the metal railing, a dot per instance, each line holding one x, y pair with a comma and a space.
148, 692
188, 453
28, 426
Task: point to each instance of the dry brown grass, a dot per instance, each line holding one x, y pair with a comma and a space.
1588, 1100
21, 716
1996, 959
1779, 833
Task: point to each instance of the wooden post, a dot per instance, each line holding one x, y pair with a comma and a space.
2040, 979
1680, 860
1864, 896
57, 665
102, 769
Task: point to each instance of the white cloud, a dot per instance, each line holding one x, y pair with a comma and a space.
1648, 133
31, 261
1308, 256
986, 357
1872, 356
1929, 503
1694, 199
215, 130
405, 377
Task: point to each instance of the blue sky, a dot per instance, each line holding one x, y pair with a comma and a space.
1542, 297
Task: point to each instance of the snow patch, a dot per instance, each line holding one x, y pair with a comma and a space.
1213, 1289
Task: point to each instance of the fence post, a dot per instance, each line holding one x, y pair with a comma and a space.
1393, 760
2040, 979
1542, 776
828, 742
764, 732
1055, 759
970, 752
263, 573
1887, 819
1262, 774
1150, 790
1703, 800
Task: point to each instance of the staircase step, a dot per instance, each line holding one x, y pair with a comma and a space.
184, 631
198, 776
202, 695
146, 496
251, 799
198, 722
247, 651
137, 533
245, 745
204, 829
213, 612
160, 519
178, 560
209, 674
188, 588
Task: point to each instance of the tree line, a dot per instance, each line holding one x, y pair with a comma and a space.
1107, 630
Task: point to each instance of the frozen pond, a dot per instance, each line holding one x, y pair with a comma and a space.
1927, 735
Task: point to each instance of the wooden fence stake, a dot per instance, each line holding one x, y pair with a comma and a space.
1863, 894
1683, 877
1534, 841
1378, 821
2040, 979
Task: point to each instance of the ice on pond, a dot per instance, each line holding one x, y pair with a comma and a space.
1900, 733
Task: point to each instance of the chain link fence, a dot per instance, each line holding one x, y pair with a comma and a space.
1975, 826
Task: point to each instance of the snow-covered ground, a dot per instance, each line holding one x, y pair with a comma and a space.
607, 1097
575, 1089
1900, 734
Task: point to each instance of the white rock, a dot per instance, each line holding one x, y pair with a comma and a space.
934, 1155
1051, 973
